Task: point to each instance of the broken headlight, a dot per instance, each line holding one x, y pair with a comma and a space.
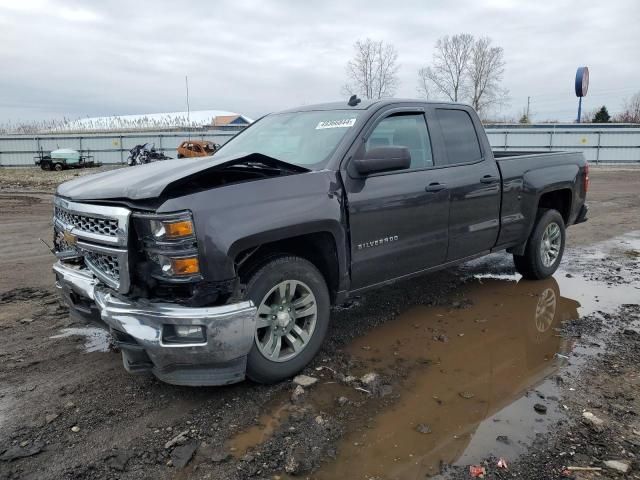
168, 241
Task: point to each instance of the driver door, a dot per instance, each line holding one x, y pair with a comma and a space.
398, 220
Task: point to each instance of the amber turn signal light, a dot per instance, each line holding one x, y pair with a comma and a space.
183, 228
185, 266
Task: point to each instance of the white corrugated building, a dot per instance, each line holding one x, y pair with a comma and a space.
195, 119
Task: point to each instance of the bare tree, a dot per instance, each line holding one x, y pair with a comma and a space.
631, 110
484, 71
465, 69
372, 72
425, 86
450, 62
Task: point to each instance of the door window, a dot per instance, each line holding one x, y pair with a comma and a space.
405, 130
460, 139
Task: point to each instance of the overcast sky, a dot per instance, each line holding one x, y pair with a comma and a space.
74, 59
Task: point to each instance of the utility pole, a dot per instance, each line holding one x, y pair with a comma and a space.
186, 82
528, 104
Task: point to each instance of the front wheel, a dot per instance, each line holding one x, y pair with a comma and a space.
293, 315
544, 248
58, 167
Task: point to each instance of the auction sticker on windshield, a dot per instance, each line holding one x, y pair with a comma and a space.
344, 123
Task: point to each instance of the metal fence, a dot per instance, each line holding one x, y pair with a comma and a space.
108, 148
609, 144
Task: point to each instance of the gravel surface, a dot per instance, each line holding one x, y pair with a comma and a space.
70, 413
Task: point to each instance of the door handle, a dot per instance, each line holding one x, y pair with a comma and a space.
489, 179
435, 187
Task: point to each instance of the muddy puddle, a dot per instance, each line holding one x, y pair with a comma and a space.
465, 377
95, 339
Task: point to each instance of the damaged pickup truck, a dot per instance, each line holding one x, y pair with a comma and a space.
209, 270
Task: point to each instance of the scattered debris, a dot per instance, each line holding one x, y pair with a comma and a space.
298, 394
538, 407
477, 471
342, 401
423, 428
179, 439
372, 382
466, 395
75, 429
584, 469
305, 380
618, 465
596, 422
502, 463
503, 439
181, 455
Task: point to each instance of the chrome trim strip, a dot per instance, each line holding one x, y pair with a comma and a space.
80, 281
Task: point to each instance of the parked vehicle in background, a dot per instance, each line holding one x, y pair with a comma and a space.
197, 148
207, 270
145, 153
64, 158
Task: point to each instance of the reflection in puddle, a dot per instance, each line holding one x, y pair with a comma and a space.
96, 339
484, 359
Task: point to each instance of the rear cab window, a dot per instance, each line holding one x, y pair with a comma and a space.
460, 138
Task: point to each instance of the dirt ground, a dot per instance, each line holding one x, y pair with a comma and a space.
429, 377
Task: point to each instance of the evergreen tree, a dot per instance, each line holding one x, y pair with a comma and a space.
602, 116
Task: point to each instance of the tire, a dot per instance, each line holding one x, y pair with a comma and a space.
57, 167
180, 155
533, 265
274, 320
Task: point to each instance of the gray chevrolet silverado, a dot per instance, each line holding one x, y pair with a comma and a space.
209, 269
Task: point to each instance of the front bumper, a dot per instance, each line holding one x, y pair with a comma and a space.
137, 329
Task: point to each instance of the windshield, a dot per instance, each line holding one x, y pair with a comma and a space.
302, 138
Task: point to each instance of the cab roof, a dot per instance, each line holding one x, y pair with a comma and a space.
364, 104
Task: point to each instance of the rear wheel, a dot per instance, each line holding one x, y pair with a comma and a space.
293, 315
57, 167
544, 247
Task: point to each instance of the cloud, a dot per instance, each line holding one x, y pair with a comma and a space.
73, 59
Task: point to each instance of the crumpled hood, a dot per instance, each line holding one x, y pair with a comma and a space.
141, 181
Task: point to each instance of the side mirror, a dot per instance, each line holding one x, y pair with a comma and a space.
383, 159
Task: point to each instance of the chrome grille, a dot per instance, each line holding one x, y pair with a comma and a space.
85, 223
108, 265
98, 233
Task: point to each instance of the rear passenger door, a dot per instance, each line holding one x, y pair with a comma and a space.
473, 180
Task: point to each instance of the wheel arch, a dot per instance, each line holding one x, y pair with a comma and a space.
319, 243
